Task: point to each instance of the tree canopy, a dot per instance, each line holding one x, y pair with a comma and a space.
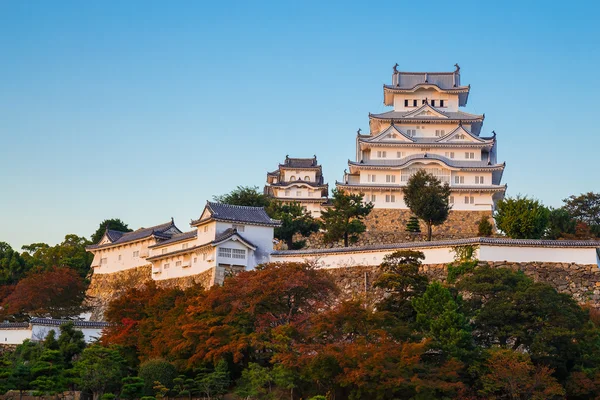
428, 199
343, 219
114, 224
294, 220
521, 217
244, 196
585, 208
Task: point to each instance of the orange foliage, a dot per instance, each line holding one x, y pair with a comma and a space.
55, 292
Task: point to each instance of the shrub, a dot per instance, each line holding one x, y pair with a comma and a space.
485, 227
157, 370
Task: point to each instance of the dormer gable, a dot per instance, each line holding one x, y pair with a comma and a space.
425, 111
392, 133
460, 134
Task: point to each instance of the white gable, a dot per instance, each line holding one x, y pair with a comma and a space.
392, 133
460, 134
425, 111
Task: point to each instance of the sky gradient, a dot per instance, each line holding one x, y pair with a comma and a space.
143, 110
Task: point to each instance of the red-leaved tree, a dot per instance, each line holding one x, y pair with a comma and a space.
54, 292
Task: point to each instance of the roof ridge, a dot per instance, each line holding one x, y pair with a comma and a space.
235, 205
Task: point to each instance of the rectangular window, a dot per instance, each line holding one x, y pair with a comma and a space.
239, 228
164, 250
459, 179
204, 256
178, 263
390, 178
195, 260
371, 178
432, 103
298, 193
450, 154
400, 154
381, 154
136, 253
479, 180
442, 103
103, 261
423, 101
184, 246
119, 257
451, 200
310, 194
238, 253
406, 103
224, 252
469, 200
287, 192
206, 228
373, 198
166, 266
387, 198
414, 103
469, 156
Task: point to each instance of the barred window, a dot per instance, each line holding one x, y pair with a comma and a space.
184, 246
239, 228
178, 263
166, 266
390, 178
136, 253
232, 253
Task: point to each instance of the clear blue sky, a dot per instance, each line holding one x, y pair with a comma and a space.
143, 110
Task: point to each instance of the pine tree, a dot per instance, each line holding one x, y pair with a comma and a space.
413, 225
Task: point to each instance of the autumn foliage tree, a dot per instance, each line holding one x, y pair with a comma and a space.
56, 293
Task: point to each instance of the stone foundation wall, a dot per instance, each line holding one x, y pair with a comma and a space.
389, 226
106, 287
580, 281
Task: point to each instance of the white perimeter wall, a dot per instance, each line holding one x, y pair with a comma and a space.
39, 332
14, 335
443, 255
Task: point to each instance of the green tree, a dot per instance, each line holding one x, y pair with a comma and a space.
114, 224
157, 370
485, 227
214, 383
413, 225
585, 208
428, 199
343, 220
521, 217
244, 196
401, 279
560, 224
294, 220
70, 253
256, 381
440, 318
99, 370
12, 265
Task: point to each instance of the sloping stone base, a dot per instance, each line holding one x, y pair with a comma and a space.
387, 226
104, 288
580, 281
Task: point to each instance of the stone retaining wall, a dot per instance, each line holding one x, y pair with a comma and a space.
106, 287
389, 226
580, 281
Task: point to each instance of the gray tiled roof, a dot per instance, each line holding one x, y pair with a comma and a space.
312, 184
178, 237
59, 322
113, 236
443, 80
427, 156
142, 233
445, 243
242, 214
13, 325
451, 115
397, 187
227, 233
300, 162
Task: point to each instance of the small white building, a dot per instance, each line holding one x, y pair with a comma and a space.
118, 251
426, 130
225, 237
299, 180
13, 333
